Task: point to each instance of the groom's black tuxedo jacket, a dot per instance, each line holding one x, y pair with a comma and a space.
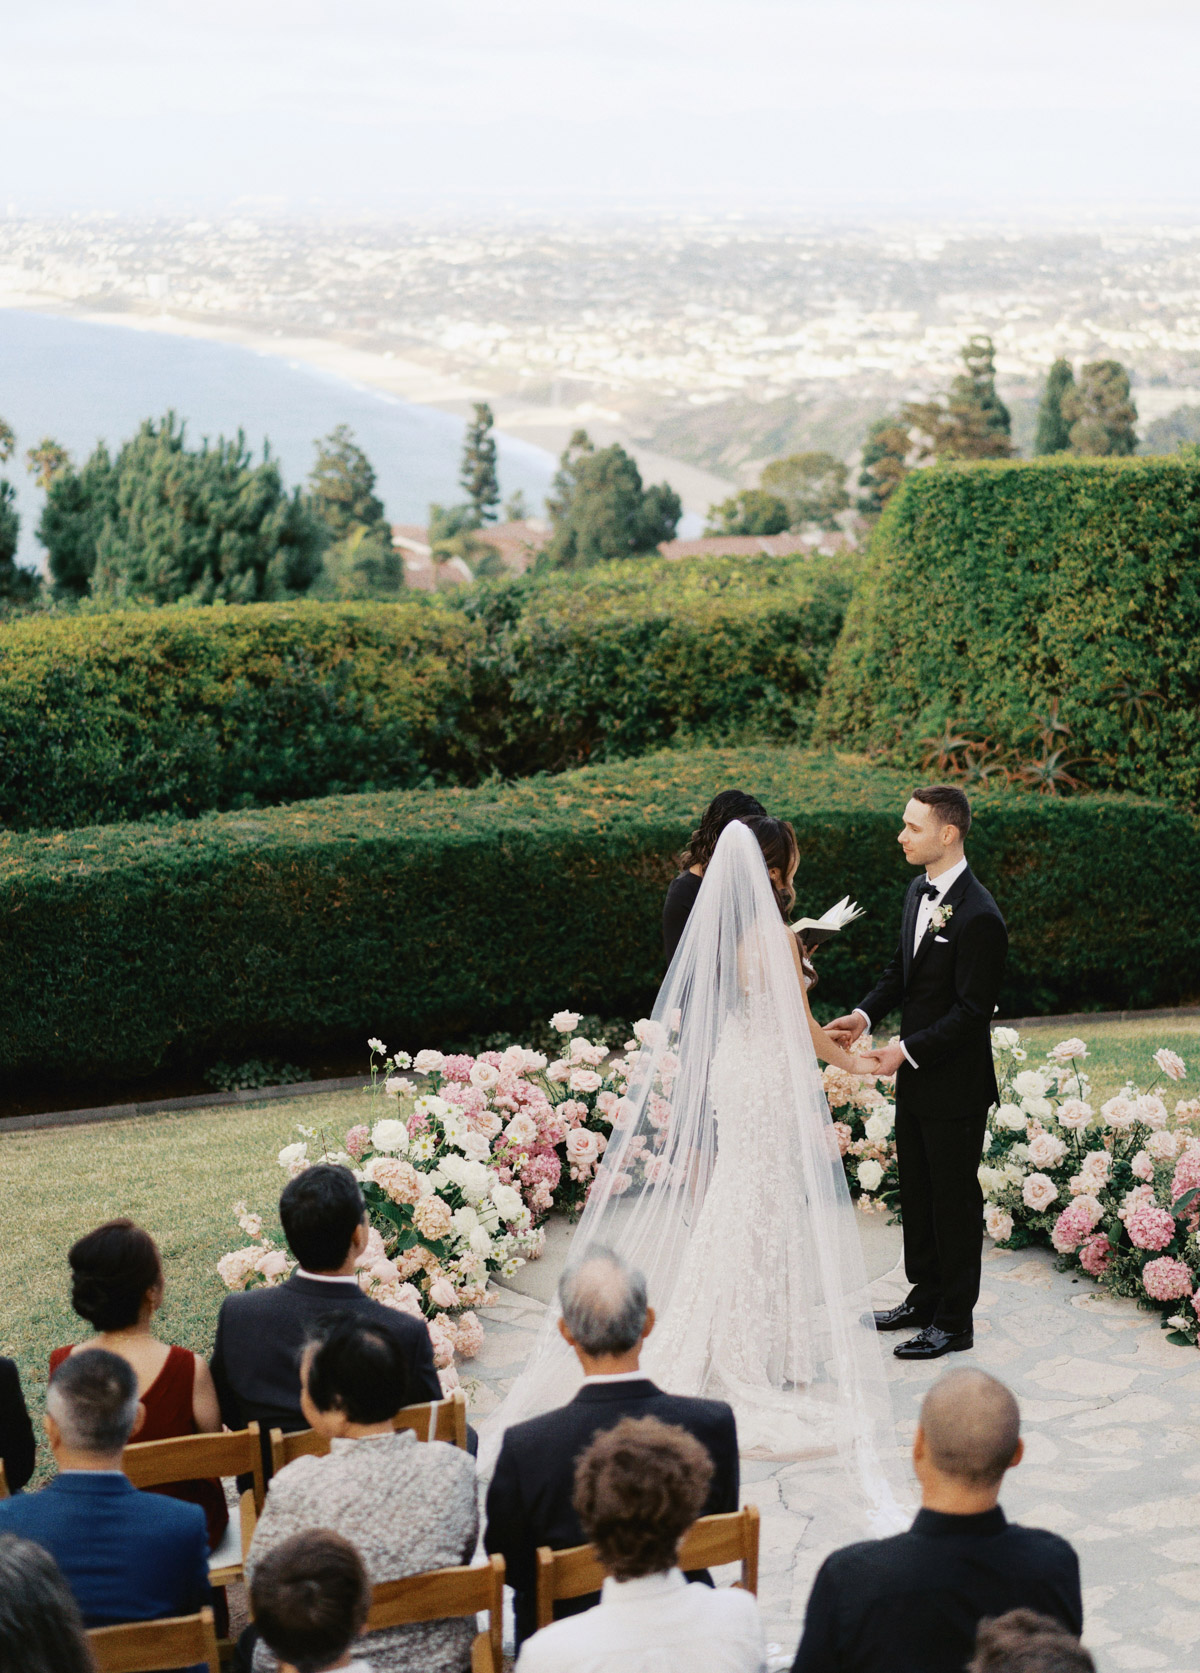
947, 991
529, 1500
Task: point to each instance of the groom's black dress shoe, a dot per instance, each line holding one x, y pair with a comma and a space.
932, 1343
904, 1317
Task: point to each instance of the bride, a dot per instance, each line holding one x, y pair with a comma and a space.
723, 1183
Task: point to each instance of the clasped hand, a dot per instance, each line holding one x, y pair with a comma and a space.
882, 1062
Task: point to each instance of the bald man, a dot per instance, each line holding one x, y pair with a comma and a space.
912, 1604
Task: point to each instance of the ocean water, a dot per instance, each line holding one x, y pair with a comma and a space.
79, 383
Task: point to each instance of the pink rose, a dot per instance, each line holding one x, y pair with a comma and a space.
1150, 1109
1141, 1166
1167, 1279
585, 1080
583, 1146
656, 1169
1074, 1114
1171, 1064
571, 1112
1038, 1192
428, 1062
1163, 1146
485, 1075
273, 1265
521, 1130
1118, 1112
606, 1103
1046, 1151
1065, 1050
442, 1293
559, 1071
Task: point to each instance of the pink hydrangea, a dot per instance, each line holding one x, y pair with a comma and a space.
1150, 1227
844, 1135
1095, 1255
1075, 1224
470, 1335
542, 1169
1186, 1176
1167, 1279
357, 1140
458, 1067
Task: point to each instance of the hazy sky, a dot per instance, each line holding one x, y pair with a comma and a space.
949, 106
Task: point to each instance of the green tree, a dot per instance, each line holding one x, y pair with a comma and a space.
1180, 428
1100, 412
478, 475
46, 461
811, 485
364, 565
341, 486
884, 464
16, 584
970, 421
601, 510
1053, 431
753, 511
78, 504
516, 507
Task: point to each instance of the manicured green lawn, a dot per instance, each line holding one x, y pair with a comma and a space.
1120, 1051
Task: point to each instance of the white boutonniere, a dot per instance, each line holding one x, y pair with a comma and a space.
940, 917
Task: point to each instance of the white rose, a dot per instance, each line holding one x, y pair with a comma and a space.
999, 1224
585, 1080
292, 1154
464, 1221
1163, 1146
1038, 1192
1074, 1114
521, 1130
484, 1075
480, 1242
534, 1060
1065, 1050
507, 1200
1151, 1111
1010, 1116
394, 1085
877, 1128
513, 1058
1005, 1038
429, 1062
870, 1175
564, 1021
391, 1136
1039, 1109
991, 1179
583, 1146
1030, 1083
475, 1146
474, 1180
1013, 1173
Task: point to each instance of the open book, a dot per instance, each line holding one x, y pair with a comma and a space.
812, 931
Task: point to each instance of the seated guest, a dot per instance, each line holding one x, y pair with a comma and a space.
1022, 1642
407, 1505
17, 1448
117, 1286
725, 807
310, 1598
911, 1604
605, 1318
126, 1555
40, 1626
261, 1332
638, 1489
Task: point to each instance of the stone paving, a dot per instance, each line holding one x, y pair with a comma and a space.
1111, 1417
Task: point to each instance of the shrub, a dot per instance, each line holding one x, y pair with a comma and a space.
121, 716
990, 590
426, 916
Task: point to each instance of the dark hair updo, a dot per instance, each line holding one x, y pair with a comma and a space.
111, 1270
721, 811
780, 850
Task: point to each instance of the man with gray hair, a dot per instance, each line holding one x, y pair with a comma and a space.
605, 1318
913, 1603
126, 1555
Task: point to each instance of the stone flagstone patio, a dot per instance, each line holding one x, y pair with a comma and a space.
1111, 1418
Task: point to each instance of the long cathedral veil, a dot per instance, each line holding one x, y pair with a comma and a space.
723, 1183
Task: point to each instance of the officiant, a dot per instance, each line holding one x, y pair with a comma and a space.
725, 807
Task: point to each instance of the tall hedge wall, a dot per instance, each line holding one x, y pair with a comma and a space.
420, 916
991, 589
123, 716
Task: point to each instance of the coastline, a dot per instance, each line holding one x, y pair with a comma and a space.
548, 428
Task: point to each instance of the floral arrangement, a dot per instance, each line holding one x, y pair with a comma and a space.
864, 1127
456, 1175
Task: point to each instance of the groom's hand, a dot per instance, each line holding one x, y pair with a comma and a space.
887, 1059
845, 1030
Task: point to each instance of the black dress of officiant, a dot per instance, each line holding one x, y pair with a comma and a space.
724, 808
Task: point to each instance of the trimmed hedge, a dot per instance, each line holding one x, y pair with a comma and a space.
422, 917
129, 715
992, 589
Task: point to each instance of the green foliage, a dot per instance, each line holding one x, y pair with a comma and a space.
753, 511
1053, 431
991, 591
1180, 428
341, 486
478, 475
1100, 412
884, 464
811, 485
971, 421
121, 716
161, 523
427, 916
17, 585
600, 509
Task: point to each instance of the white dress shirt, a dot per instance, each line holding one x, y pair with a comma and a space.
659, 1624
925, 911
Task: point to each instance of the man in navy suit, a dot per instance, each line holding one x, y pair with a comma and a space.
605, 1318
126, 1555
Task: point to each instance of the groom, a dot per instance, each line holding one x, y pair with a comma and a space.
945, 978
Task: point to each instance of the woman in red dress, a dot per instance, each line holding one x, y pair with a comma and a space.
117, 1286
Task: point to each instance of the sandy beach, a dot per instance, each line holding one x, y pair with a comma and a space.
408, 380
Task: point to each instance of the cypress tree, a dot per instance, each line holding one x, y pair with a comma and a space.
1053, 431
478, 475
1100, 411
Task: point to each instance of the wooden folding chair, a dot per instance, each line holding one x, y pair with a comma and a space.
729, 1538
444, 1594
435, 1420
4, 1493
146, 1646
192, 1457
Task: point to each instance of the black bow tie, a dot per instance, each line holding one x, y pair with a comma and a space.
927, 891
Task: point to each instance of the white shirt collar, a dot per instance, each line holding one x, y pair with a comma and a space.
616, 1377
646, 1586
325, 1277
947, 878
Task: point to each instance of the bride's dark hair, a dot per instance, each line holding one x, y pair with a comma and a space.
777, 840
724, 808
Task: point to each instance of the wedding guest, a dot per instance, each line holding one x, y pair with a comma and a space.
117, 1286
605, 1318
638, 1489
125, 1554
407, 1505
18, 1450
310, 1598
1023, 1642
41, 1630
681, 896
261, 1332
912, 1603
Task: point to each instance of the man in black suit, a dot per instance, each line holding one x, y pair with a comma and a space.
17, 1447
605, 1318
945, 977
912, 1603
261, 1332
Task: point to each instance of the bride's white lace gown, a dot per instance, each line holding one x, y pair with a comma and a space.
723, 1183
